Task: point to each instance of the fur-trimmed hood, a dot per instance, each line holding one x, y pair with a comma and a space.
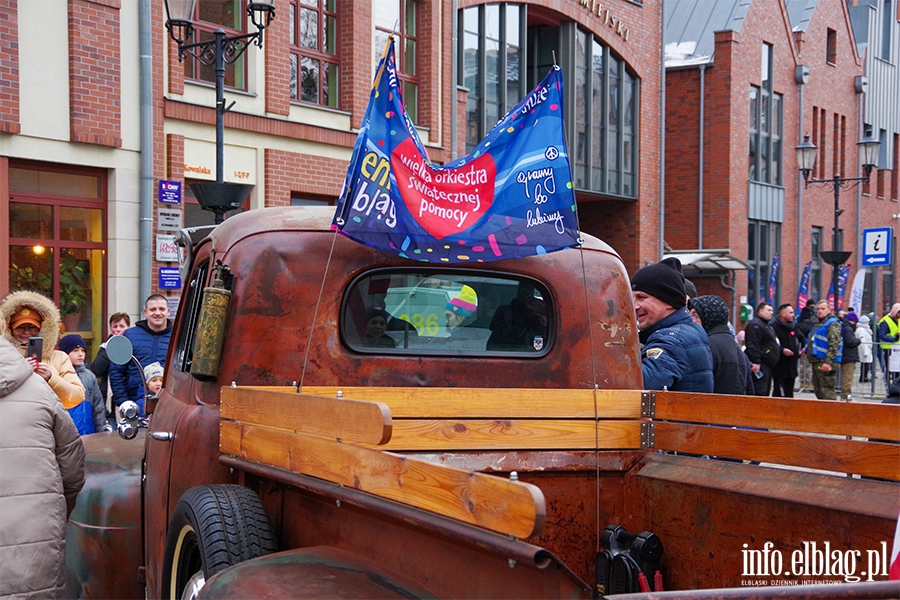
50, 319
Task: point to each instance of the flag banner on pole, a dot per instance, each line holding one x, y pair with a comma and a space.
773, 280
831, 305
857, 290
511, 197
843, 276
803, 291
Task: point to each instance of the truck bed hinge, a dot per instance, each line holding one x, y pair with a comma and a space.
648, 434
648, 405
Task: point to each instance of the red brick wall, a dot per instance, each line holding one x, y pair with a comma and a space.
356, 59
9, 66
289, 171
94, 65
277, 47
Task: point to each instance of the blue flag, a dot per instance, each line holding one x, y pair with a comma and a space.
773, 280
511, 197
803, 290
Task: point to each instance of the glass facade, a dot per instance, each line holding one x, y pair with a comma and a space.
603, 95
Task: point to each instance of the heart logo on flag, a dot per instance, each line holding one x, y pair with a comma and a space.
443, 202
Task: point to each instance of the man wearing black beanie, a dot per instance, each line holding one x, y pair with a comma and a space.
675, 352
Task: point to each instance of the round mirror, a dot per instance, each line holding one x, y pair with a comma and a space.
119, 349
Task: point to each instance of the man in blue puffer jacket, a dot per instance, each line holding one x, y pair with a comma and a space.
675, 352
150, 338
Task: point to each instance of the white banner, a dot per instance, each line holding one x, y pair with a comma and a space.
856, 292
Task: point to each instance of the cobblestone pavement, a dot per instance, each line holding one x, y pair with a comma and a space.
862, 392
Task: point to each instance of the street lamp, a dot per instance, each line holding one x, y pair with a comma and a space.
218, 197
806, 159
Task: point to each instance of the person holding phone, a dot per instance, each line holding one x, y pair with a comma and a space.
25, 315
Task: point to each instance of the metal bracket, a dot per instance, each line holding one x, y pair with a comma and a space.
648, 434
648, 405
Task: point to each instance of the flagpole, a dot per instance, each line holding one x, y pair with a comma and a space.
348, 195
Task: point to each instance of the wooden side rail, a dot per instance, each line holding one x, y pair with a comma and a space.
871, 459
860, 419
494, 503
495, 403
344, 419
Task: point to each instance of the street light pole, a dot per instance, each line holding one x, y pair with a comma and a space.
218, 197
806, 159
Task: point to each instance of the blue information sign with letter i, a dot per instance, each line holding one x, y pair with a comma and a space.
876, 247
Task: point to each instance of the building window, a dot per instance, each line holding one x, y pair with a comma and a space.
815, 279
400, 18
831, 47
887, 28
764, 242
314, 61
766, 121
57, 244
491, 53
211, 15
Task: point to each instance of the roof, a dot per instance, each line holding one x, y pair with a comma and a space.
800, 12
708, 261
690, 24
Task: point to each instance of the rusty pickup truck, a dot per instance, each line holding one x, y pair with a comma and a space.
324, 430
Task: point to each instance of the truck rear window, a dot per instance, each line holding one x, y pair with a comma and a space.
446, 312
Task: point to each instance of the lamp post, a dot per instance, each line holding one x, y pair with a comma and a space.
218, 197
806, 159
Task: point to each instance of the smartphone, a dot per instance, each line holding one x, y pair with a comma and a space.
36, 347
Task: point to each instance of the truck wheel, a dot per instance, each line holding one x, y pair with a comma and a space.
213, 527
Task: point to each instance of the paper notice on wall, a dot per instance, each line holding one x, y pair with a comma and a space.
894, 360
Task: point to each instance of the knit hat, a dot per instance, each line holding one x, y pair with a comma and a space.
376, 311
712, 310
663, 281
26, 314
153, 370
70, 342
463, 303
864, 319
852, 318
689, 288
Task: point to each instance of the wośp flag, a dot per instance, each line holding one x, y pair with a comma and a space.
857, 290
803, 290
843, 276
773, 280
511, 197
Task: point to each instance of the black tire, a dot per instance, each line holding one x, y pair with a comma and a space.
213, 527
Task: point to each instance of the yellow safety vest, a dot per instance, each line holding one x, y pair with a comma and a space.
893, 329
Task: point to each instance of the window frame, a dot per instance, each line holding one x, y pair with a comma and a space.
762, 264
298, 52
205, 30
408, 80
347, 324
766, 127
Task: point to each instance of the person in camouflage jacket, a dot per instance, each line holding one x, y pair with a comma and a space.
825, 347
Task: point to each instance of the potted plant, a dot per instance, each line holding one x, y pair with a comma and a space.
73, 276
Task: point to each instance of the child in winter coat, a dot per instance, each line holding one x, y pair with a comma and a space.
90, 415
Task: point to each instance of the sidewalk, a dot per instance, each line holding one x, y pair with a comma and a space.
862, 392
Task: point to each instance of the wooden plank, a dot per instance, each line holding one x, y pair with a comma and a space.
871, 459
349, 420
521, 434
475, 403
500, 505
860, 419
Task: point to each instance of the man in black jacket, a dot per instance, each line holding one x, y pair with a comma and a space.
792, 343
762, 349
729, 363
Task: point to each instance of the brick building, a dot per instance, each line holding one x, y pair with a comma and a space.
744, 83
96, 110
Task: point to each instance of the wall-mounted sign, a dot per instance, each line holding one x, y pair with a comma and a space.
169, 220
169, 191
169, 279
166, 250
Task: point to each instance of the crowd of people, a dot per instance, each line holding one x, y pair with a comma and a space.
688, 343
50, 396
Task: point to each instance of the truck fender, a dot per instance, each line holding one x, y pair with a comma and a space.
106, 520
316, 572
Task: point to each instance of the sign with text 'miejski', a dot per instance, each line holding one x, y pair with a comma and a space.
511, 197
